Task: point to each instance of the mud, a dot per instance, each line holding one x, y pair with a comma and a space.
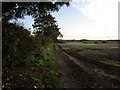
76, 71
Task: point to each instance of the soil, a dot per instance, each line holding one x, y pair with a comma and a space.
21, 77
76, 71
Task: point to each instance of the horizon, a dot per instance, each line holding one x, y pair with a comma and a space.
91, 39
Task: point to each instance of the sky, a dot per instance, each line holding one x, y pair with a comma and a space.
86, 19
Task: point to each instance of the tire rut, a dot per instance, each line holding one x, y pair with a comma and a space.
76, 74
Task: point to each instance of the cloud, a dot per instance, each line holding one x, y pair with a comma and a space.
103, 12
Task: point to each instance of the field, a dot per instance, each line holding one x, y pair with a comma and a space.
103, 59
105, 53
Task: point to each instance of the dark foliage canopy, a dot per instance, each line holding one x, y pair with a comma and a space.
19, 46
20, 9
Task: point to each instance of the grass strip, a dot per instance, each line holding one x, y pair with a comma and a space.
113, 63
50, 79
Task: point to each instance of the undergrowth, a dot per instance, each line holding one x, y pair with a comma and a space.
47, 61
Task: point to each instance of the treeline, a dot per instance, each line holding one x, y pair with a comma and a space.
17, 42
91, 41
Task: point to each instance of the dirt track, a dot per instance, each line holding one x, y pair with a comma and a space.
76, 74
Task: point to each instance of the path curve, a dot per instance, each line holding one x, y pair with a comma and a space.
76, 74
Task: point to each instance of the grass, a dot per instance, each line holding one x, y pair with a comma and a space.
34, 79
65, 48
76, 43
100, 51
47, 61
50, 77
114, 47
109, 62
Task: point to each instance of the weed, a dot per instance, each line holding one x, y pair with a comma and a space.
51, 80
33, 79
47, 61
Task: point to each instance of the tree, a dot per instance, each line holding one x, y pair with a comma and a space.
47, 26
38, 10
14, 10
18, 44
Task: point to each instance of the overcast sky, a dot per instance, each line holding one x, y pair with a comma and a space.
87, 19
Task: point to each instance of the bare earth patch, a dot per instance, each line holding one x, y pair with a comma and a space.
76, 72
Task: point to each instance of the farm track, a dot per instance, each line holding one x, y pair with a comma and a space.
108, 70
74, 73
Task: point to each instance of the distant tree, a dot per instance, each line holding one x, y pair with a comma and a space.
103, 42
84, 40
96, 42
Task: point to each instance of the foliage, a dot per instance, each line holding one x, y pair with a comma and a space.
14, 10
17, 45
20, 48
33, 79
47, 61
46, 26
50, 78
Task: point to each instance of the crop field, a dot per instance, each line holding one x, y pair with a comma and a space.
105, 56
105, 53
100, 61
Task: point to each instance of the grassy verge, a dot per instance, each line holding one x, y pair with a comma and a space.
51, 76
47, 61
